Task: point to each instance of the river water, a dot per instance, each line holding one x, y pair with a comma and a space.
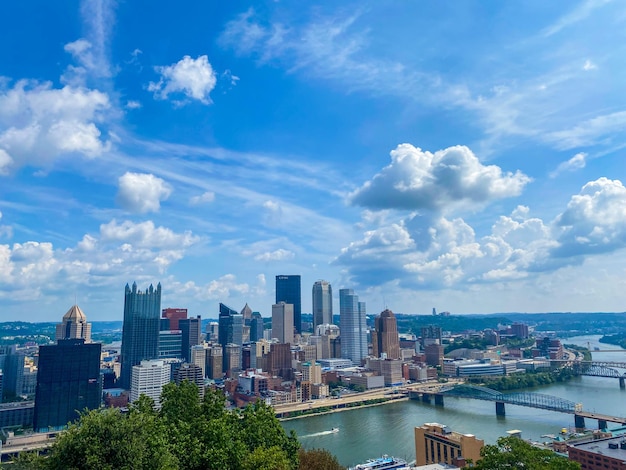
388, 429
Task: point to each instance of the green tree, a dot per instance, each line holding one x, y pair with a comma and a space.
318, 459
511, 453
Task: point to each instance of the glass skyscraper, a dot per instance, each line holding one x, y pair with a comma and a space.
68, 381
140, 334
288, 290
322, 304
230, 333
352, 326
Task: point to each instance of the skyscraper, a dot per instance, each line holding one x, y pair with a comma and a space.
385, 339
68, 381
256, 327
230, 334
322, 303
74, 325
140, 334
148, 378
288, 291
191, 330
282, 322
352, 326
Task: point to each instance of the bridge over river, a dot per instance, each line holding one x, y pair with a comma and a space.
613, 369
533, 400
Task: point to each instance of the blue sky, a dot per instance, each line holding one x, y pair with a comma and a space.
467, 155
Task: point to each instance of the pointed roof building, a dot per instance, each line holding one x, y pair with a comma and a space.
246, 312
74, 325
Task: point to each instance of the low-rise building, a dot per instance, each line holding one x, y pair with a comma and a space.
435, 443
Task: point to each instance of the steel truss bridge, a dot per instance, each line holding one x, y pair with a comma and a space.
533, 400
529, 399
616, 370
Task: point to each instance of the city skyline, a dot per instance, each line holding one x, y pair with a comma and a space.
464, 157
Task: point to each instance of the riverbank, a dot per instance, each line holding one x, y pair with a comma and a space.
352, 406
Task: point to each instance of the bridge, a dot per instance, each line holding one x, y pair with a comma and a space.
596, 368
533, 400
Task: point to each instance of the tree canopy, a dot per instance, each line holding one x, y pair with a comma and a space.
186, 433
512, 453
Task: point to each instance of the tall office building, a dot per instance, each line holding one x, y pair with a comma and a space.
322, 303
215, 362
74, 325
140, 333
256, 327
352, 326
68, 381
385, 339
173, 316
230, 326
230, 334
288, 291
170, 344
191, 331
246, 311
148, 378
282, 322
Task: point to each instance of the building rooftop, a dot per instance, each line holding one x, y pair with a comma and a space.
614, 447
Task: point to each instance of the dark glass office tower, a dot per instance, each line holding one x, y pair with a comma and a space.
230, 331
191, 330
256, 327
140, 334
288, 291
68, 381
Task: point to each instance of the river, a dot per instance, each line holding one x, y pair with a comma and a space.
388, 429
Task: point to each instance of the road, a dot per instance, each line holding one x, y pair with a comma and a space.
393, 393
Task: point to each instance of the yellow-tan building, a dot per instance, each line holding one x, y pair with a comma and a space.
435, 443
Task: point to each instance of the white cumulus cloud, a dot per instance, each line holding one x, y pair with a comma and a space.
195, 78
39, 123
452, 177
142, 192
594, 220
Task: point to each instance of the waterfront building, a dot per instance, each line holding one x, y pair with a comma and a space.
148, 378
600, 454
434, 354
74, 326
352, 318
322, 304
335, 363
172, 317
68, 382
191, 332
140, 333
170, 344
435, 443
288, 290
283, 322
390, 369
385, 339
